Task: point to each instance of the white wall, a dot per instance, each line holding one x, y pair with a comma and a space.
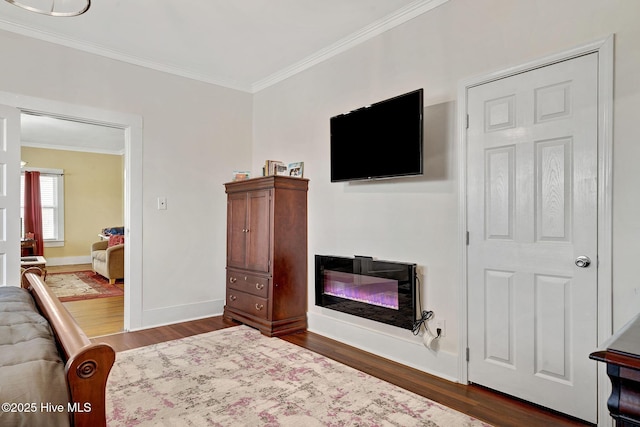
415, 219
195, 134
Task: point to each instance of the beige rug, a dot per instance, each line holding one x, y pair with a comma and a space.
81, 285
238, 377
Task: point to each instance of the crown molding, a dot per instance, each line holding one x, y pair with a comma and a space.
120, 56
372, 30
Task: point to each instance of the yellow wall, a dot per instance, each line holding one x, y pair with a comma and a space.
93, 195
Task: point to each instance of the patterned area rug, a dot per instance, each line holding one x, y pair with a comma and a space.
81, 285
238, 377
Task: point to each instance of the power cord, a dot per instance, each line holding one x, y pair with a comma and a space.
426, 316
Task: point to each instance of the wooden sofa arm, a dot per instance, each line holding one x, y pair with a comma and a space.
87, 365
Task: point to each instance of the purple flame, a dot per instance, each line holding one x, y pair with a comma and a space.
368, 289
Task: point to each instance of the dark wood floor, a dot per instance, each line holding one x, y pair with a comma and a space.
481, 403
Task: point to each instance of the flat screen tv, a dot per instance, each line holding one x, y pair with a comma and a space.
381, 140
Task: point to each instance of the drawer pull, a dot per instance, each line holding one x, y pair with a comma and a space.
259, 286
259, 307
232, 280
233, 297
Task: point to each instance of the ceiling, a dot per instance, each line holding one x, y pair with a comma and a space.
55, 133
246, 45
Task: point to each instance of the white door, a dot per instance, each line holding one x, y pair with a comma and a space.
532, 211
9, 196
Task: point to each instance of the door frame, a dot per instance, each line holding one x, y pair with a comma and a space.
131, 124
605, 50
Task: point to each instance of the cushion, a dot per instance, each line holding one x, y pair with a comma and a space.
116, 239
99, 255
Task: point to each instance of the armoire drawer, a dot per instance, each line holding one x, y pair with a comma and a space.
248, 303
252, 284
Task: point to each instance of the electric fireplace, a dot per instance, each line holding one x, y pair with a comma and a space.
383, 291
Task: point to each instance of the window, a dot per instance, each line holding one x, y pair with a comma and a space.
52, 200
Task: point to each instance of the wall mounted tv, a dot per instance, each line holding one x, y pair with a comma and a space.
381, 140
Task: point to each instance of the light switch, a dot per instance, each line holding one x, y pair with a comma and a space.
162, 203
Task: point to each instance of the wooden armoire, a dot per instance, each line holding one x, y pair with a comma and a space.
267, 253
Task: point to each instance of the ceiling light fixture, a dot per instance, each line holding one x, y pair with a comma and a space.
54, 7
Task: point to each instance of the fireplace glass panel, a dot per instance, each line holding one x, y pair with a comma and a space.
358, 287
383, 291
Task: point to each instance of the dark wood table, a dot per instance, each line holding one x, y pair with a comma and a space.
28, 247
622, 356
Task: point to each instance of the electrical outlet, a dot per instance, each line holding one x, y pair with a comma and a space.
439, 324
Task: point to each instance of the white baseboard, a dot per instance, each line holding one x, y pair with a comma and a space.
69, 260
407, 351
181, 313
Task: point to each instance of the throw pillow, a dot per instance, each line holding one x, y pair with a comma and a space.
116, 239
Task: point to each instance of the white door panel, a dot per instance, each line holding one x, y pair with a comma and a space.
9, 196
532, 209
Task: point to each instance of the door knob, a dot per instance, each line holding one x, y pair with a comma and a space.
583, 261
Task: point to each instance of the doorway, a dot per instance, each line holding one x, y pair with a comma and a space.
132, 126
535, 166
86, 162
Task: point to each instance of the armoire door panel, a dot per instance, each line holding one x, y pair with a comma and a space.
236, 235
258, 230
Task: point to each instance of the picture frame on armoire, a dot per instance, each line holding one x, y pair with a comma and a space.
241, 175
296, 169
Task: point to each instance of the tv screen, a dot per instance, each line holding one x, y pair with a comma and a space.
381, 140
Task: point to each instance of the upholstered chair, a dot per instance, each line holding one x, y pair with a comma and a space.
108, 260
